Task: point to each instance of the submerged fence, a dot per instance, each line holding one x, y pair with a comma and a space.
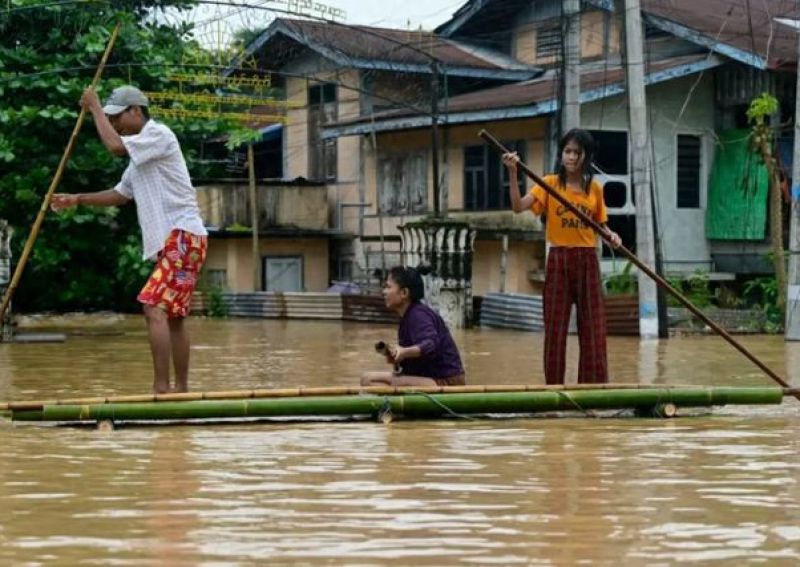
526, 313
298, 305
497, 310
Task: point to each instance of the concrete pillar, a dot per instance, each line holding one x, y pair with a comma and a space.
447, 247
5, 275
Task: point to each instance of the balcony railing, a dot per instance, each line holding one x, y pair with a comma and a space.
279, 204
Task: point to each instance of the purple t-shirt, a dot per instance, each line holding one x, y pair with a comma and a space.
423, 327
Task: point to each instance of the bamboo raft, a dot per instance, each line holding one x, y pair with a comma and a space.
386, 403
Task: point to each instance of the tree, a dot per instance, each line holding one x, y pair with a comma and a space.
762, 143
86, 258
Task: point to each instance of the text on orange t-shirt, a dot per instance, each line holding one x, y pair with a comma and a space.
564, 228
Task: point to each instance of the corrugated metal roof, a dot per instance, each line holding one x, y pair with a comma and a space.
544, 91
747, 25
365, 46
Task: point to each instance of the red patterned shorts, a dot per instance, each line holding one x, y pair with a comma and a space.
174, 276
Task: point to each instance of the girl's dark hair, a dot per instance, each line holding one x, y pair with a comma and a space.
411, 279
587, 144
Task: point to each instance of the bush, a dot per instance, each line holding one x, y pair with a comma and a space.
623, 283
696, 288
762, 293
216, 305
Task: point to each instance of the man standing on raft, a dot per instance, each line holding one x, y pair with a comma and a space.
173, 234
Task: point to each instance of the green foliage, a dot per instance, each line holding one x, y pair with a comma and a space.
216, 305
762, 107
727, 298
623, 283
238, 227
241, 136
695, 287
86, 258
762, 293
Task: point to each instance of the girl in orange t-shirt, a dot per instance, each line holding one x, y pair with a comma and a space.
573, 271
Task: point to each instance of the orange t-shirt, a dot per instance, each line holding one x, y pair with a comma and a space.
563, 227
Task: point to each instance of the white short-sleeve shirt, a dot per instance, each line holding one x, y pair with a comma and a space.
158, 180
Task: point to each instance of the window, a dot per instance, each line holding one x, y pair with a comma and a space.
402, 183
688, 175
548, 41
322, 110
321, 94
215, 279
611, 156
283, 273
486, 179
329, 157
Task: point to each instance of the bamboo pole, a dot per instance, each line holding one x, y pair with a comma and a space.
492, 141
410, 404
23, 259
341, 391
321, 391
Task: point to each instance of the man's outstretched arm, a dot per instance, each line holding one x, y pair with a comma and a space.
107, 198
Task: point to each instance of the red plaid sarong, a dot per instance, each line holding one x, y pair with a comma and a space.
573, 276
175, 274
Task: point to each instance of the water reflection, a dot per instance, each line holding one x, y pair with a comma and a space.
721, 488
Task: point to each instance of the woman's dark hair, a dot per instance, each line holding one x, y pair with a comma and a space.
411, 279
587, 144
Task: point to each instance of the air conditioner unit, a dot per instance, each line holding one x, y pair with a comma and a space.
617, 192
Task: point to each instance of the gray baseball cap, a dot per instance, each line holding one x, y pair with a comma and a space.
123, 97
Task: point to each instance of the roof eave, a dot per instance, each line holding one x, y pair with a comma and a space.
468, 11
471, 9
524, 74
500, 74
274, 28
514, 112
693, 36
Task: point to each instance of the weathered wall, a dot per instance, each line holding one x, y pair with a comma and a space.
234, 255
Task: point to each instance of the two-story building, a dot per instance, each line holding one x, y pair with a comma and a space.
367, 100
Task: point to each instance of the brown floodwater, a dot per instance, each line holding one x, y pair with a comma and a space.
719, 488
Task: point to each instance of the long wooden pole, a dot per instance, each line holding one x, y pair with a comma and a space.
256, 255
492, 141
23, 259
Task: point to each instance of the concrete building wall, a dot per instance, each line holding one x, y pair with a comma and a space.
296, 150
524, 263
593, 23
348, 154
524, 257
295, 141
532, 131
682, 231
234, 255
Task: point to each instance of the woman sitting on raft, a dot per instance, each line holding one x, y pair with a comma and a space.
426, 354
